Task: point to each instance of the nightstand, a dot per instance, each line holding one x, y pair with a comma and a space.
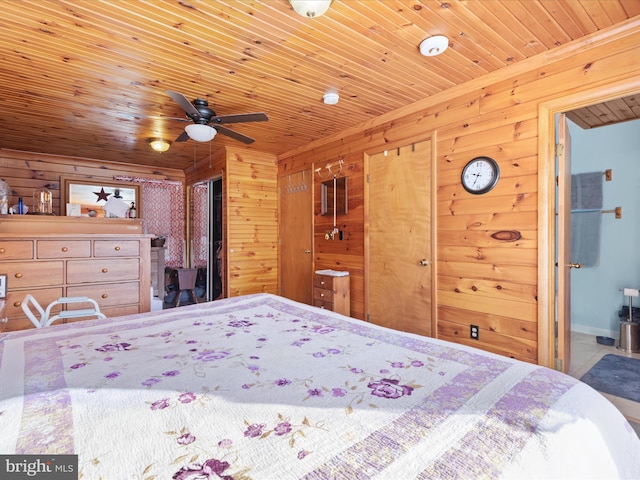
332, 291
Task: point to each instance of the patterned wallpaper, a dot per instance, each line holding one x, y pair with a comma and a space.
199, 224
163, 215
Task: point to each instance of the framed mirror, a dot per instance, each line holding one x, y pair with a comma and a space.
96, 198
334, 195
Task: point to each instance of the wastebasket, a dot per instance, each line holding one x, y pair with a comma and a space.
629, 338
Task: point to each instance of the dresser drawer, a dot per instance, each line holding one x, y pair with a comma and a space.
43, 296
16, 250
108, 295
15, 324
22, 275
63, 248
116, 248
119, 311
102, 270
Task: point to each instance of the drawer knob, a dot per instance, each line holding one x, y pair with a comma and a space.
322, 282
17, 304
105, 295
2, 250
117, 248
64, 249
322, 294
18, 275
105, 270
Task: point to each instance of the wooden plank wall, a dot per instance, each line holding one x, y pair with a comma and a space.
27, 171
251, 216
487, 246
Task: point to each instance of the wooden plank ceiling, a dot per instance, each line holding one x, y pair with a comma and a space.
607, 113
87, 78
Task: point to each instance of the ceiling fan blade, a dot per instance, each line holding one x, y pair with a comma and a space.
183, 137
235, 135
184, 102
239, 118
175, 119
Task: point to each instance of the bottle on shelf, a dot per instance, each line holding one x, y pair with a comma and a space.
132, 211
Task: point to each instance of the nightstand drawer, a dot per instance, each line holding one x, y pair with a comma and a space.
16, 250
323, 294
63, 248
105, 270
116, 248
323, 281
321, 304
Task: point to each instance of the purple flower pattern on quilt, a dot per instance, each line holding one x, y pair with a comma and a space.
212, 355
179, 377
114, 347
389, 388
209, 470
186, 439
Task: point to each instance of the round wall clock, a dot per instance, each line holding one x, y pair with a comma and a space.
480, 175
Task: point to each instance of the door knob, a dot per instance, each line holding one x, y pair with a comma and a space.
575, 265
424, 262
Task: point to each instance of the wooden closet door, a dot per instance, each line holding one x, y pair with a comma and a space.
296, 236
399, 214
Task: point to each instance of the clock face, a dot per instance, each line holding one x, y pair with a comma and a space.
480, 175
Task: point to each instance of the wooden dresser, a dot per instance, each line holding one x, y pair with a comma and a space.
113, 269
332, 292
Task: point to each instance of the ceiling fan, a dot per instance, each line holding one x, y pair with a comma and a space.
206, 123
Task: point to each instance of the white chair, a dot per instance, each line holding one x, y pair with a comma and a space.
45, 320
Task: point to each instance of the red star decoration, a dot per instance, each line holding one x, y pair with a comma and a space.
102, 195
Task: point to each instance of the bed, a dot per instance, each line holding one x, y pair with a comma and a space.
262, 387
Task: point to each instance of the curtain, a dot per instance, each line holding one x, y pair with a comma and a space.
163, 215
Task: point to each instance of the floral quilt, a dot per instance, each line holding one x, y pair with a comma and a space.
261, 387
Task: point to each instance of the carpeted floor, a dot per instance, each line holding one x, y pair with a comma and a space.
616, 375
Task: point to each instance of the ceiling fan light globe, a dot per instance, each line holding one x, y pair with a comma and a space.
310, 8
200, 133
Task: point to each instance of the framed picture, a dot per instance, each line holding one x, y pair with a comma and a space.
3, 285
87, 197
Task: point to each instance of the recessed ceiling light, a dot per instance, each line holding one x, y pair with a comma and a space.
331, 98
432, 46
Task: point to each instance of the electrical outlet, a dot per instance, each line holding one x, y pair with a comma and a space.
474, 332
